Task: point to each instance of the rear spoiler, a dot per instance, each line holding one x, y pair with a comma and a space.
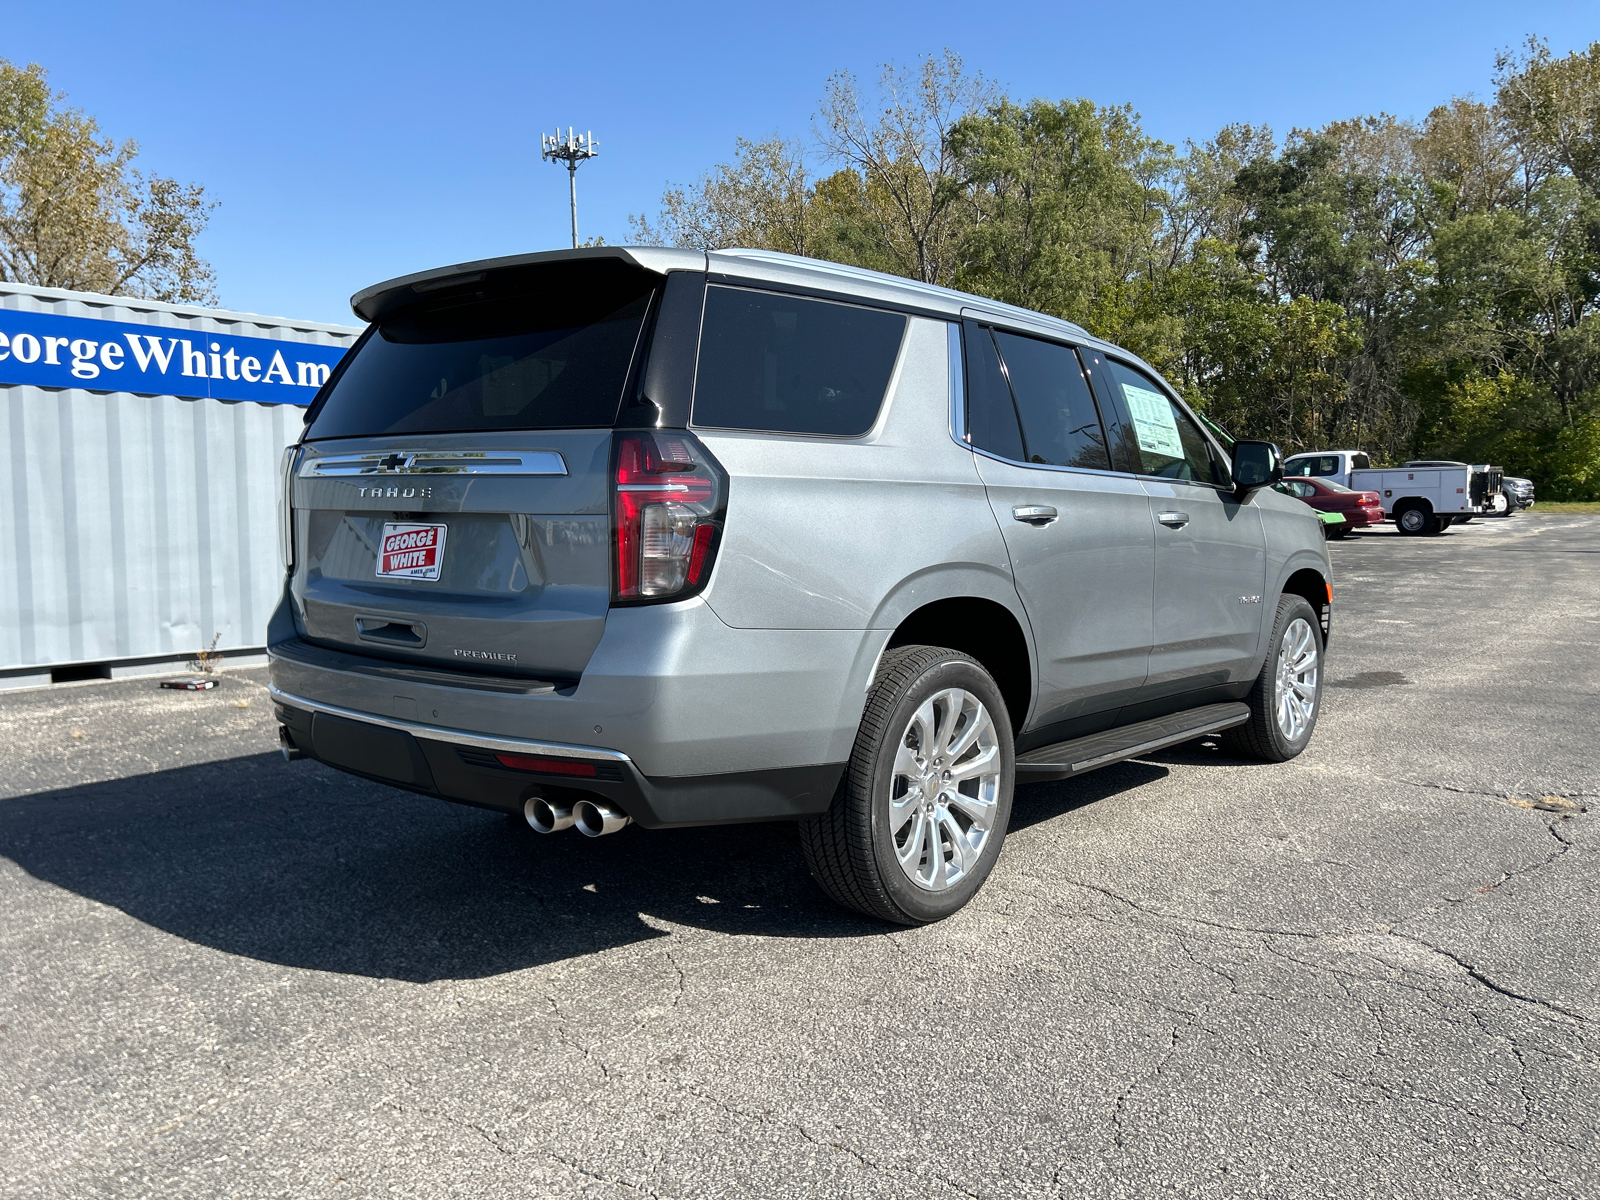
373, 303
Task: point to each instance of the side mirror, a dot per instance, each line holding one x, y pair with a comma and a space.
1255, 465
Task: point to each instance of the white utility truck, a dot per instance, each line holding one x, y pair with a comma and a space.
1428, 499
1337, 465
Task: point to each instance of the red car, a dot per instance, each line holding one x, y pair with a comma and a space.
1357, 508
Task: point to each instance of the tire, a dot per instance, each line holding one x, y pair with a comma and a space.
1341, 531
1413, 520
1463, 520
1440, 524
855, 849
1266, 735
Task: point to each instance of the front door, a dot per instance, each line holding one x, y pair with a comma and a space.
1210, 550
1080, 537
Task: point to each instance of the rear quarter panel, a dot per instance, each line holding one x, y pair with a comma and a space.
831, 533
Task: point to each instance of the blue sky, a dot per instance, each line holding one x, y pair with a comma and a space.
348, 143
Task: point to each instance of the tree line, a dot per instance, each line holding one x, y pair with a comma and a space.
1412, 288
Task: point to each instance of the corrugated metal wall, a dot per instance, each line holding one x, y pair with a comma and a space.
139, 526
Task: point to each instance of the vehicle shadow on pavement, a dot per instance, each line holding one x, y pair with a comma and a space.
1036, 803
306, 867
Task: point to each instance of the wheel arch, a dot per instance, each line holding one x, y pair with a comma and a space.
987, 630
1311, 583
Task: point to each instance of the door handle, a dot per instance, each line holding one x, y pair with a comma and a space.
1173, 520
1033, 514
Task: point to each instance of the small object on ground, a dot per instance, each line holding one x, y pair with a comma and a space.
190, 683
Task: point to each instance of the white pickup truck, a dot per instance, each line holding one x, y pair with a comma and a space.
1337, 465
1427, 499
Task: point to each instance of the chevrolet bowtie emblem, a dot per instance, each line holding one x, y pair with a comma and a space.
395, 461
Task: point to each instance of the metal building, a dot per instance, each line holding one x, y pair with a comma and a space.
140, 444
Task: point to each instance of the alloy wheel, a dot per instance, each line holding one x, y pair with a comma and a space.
1296, 691
945, 789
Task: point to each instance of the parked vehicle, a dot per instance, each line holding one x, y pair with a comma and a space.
1518, 493
1426, 499
1333, 524
1358, 509
1336, 465
648, 536
1494, 502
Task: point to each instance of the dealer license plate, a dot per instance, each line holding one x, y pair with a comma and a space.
411, 551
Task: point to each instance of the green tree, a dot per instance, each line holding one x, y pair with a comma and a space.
75, 212
762, 200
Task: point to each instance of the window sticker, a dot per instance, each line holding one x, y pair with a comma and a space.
1152, 421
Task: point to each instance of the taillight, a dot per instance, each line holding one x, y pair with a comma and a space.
666, 515
286, 469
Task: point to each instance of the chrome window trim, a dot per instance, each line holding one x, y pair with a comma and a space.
458, 737
958, 420
435, 462
958, 387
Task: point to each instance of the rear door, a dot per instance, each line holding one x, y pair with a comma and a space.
1210, 550
451, 504
1079, 534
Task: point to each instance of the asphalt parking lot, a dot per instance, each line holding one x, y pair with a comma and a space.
1372, 971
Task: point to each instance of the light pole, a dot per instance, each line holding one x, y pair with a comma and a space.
572, 150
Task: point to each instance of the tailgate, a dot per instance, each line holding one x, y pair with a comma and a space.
487, 551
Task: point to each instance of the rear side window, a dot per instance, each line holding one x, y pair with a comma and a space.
788, 364
1060, 424
991, 416
1169, 443
550, 349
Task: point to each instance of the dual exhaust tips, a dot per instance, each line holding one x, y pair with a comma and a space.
594, 818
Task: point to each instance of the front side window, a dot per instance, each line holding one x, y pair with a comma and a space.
790, 364
549, 350
1060, 424
1168, 442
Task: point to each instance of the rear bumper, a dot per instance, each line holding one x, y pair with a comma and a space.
695, 722
455, 765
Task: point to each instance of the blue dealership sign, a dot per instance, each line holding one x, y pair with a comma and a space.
53, 351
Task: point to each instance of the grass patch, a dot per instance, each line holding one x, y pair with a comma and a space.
1558, 508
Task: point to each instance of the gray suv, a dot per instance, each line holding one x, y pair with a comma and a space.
666, 538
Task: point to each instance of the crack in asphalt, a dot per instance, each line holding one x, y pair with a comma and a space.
1166, 916
1477, 974
851, 1152
578, 1168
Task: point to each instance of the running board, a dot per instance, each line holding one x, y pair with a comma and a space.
1066, 759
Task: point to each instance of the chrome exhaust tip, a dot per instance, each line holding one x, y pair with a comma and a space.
596, 818
547, 816
291, 752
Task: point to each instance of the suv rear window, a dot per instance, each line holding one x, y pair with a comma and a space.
787, 364
544, 349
